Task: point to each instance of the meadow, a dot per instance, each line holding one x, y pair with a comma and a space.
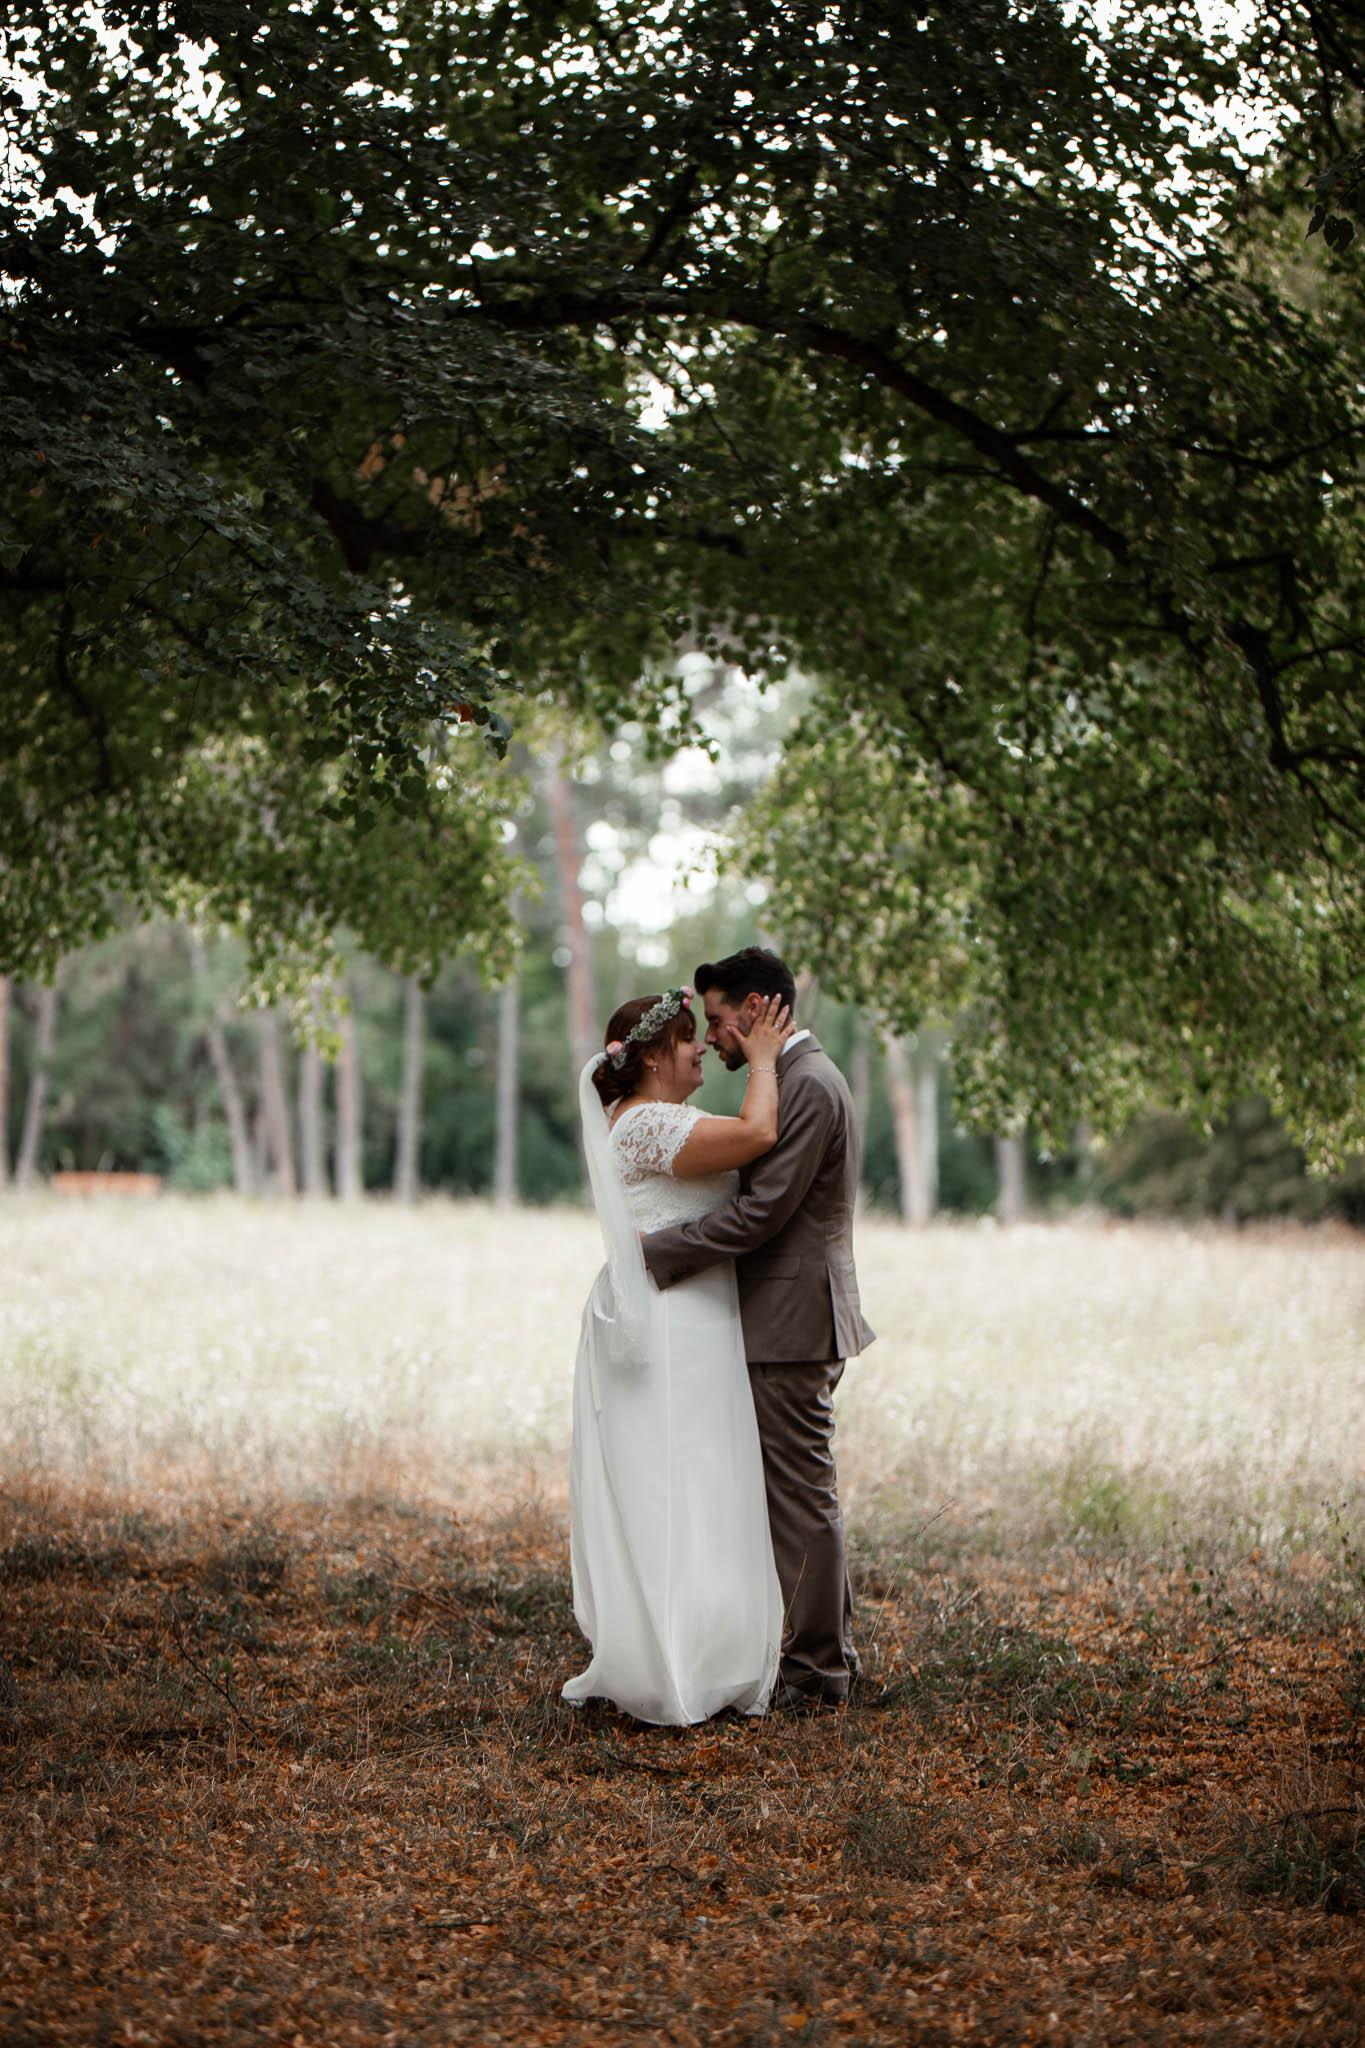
283, 1564
1099, 1380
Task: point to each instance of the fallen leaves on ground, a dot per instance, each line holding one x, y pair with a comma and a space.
311, 1781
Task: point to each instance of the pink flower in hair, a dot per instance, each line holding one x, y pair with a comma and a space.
614, 1048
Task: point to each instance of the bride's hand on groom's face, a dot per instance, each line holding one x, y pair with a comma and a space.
769, 1032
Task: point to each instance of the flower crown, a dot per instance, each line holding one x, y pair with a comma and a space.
651, 1024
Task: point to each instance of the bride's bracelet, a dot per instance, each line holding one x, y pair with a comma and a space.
761, 1070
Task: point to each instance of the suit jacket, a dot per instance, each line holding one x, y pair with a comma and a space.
790, 1228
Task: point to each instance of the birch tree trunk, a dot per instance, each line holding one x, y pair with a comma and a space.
509, 1051
569, 859
215, 1040
860, 1087
405, 1166
35, 1108
924, 1067
312, 1157
916, 1148
349, 1171
860, 1080
278, 1137
1009, 1167
4, 1082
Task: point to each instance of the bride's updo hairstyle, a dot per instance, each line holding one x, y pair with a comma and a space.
614, 1083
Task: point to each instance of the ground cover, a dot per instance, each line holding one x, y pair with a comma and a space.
311, 1781
284, 1614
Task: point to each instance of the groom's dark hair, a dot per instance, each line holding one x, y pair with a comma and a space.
753, 971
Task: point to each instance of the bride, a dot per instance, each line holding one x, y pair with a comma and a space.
673, 1577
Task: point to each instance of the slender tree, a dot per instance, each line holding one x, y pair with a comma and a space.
509, 1033
276, 1130
914, 1119
924, 1065
505, 1147
35, 1108
1010, 1174
215, 1013
860, 1080
4, 1080
408, 1152
583, 1025
312, 1150
349, 1162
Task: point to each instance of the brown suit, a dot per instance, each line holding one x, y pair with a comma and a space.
790, 1233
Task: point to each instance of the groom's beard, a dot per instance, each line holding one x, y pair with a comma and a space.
734, 1060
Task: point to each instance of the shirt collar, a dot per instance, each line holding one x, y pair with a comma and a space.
795, 1039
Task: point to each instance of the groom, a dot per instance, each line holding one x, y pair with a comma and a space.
789, 1231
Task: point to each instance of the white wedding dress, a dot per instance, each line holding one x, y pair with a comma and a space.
673, 1578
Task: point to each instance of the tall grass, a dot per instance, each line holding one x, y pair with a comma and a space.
1103, 1383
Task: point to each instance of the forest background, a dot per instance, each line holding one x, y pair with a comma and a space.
144, 1055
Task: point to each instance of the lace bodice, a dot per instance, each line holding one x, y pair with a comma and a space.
645, 1141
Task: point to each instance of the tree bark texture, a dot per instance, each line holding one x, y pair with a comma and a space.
408, 1154
924, 1069
349, 1169
215, 1041
509, 1050
312, 1154
860, 1087
1009, 1168
35, 1108
569, 859
860, 1080
279, 1138
912, 1088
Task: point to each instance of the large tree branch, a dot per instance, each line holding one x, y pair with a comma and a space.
1002, 448
361, 538
91, 715
547, 310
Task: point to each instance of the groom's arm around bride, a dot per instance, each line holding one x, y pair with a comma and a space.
789, 1231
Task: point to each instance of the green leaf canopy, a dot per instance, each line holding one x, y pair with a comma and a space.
369, 369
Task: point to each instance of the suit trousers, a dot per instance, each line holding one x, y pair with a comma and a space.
795, 1409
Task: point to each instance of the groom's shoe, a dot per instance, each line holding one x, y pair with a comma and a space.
794, 1699
803, 1699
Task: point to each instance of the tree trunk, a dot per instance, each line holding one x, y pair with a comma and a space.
860, 1079
924, 1067
568, 854
279, 1139
860, 1087
916, 1147
405, 1167
35, 1109
505, 1157
220, 1058
312, 1157
349, 1169
4, 1082
1009, 1167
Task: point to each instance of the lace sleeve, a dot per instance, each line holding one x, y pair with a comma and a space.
649, 1137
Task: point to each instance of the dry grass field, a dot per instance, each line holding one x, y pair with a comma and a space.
284, 1614
1099, 1381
